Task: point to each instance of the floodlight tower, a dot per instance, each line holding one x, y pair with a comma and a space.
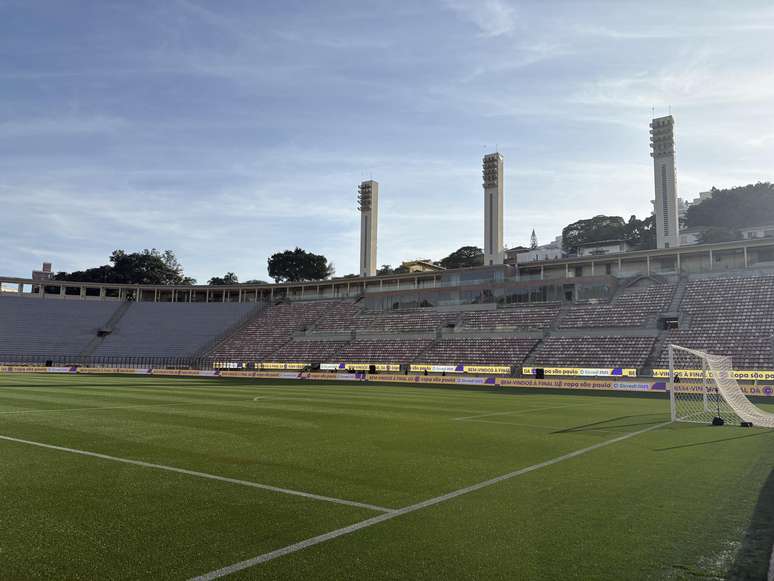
493, 209
368, 204
662, 144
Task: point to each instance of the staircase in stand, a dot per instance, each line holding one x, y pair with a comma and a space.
105, 329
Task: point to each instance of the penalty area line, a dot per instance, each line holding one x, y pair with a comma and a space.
197, 474
270, 556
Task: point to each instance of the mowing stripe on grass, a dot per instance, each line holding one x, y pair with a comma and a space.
522, 411
228, 570
517, 424
200, 475
114, 407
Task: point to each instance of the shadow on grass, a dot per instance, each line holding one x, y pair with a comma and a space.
608, 424
755, 434
752, 559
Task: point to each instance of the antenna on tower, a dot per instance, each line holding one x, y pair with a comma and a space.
653, 111
670, 108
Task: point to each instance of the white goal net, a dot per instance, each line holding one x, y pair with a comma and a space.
702, 387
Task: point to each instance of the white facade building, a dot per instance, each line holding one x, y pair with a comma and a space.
368, 204
494, 251
662, 143
603, 247
552, 251
753, 232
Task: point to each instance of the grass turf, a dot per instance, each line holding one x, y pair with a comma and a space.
681, 501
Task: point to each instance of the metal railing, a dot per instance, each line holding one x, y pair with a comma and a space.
130, 362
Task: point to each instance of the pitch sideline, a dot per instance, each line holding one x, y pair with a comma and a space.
201, 475
310, 542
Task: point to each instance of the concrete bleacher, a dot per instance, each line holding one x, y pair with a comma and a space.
50, 327
631, 308
729, 315
307, 352
270, 330
170, 329
412, 321
401, 351
522, 317
478, 351
593, 351
343, 316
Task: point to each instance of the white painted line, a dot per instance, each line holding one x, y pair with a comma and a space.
200, 474
522, 411
771, 565
115, 407
228, 570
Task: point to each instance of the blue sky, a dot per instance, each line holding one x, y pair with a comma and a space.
227, 131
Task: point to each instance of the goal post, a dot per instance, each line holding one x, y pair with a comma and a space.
702, 387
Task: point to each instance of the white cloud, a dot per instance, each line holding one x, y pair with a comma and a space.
492, 17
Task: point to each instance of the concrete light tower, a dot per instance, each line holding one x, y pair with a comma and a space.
368, 204
662, 143
493, 209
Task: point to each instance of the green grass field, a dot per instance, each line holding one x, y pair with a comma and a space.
672, 501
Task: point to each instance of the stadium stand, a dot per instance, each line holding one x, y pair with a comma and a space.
749, 352
522, 317
729, 315
50, 327
343, 316
478, 351
402, 351
631, 308
270, 330
591, 351
408, 321
306, 352
170, 329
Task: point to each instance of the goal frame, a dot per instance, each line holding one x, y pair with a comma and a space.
731, 404
704, 378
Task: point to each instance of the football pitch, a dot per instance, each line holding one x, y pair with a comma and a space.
106, 477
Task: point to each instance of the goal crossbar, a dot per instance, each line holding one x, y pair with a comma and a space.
717, 393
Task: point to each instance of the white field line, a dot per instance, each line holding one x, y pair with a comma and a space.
115, 407
228, 570
771, 565
523, 411
200, 475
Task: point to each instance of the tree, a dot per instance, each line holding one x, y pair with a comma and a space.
384, 270
146, 267
299, 265
255, 281
718, 234
228, 278
464, 257
750, 205
641, 233
594, 229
